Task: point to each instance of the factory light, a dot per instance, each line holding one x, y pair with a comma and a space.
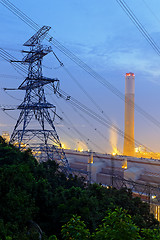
153, 197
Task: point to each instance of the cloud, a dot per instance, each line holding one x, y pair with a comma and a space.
119, 52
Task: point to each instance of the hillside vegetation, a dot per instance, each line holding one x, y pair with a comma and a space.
37, 197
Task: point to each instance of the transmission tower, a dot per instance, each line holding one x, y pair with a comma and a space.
41, 137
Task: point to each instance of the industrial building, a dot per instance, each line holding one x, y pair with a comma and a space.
141, 175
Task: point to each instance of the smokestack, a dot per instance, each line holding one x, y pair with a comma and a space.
128, 148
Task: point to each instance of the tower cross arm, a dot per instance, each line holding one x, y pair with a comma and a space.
38, 36
37, 82
36, 55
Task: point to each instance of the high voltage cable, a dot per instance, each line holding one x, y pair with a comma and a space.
13, 96
153, 120
9, 58
83, 136
67, 135
155, 16
5, 55
83, 65
108, 85
75, 129
35, 26
12, 49
81, 87
20, 67
104, 122
97, 117
85, 92
140, 27
53, 41
9, 76
76, 103
9, 115
95, 129
20, 14
80, 106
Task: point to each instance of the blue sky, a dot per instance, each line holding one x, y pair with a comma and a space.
102, 35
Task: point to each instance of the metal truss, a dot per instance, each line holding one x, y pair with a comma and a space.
146, 192
41, 137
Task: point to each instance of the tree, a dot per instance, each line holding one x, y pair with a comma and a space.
111, 197
150, 234
117, 225
41, 192
75, 229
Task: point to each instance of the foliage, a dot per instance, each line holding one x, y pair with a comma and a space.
40, 192
109, 198
53, 237
117, 225
75, 229
150, 234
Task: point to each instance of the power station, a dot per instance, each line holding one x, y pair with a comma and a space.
129, 146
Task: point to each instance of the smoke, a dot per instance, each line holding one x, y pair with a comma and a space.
114, 140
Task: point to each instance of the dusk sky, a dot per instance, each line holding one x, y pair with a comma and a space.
101, 35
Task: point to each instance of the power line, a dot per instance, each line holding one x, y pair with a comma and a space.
9, 115
149, 8
6, 56
73, 101
12, 60
12, 96
95, 129
83, 65
16, 11
70, 125
97, 117
138, 25
86, 93
9, 76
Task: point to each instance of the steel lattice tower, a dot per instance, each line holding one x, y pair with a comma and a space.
42, 138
